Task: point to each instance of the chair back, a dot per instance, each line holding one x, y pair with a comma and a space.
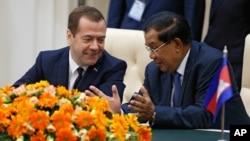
245, 89
129, 45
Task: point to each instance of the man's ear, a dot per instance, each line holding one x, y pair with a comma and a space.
178, 43
69, 37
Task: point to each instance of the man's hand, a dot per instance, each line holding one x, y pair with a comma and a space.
143, 105
114, 102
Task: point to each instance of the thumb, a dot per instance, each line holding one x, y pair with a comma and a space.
144, 92
115, 93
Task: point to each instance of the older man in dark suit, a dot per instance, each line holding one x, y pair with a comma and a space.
178, 78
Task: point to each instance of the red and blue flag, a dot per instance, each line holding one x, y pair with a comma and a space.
219, 91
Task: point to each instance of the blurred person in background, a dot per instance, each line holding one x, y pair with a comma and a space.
229, 23
132, 14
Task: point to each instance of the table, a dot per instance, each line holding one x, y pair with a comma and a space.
188, 135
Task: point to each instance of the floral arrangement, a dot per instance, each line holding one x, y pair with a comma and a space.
43, 112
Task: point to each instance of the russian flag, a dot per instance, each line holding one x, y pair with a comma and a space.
219, 91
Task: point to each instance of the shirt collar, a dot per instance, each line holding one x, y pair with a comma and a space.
73, 66
183, 64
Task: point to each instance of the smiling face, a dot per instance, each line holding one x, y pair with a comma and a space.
87, 46
169, 56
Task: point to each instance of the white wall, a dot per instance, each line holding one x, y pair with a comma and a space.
27, 27
101, 5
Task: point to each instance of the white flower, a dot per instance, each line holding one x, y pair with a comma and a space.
63, 101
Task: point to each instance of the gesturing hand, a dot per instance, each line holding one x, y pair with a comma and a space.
114, 101
143, 105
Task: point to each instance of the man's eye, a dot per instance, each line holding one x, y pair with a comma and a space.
86, 39
101, 40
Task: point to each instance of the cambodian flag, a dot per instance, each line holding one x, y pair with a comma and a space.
219, 91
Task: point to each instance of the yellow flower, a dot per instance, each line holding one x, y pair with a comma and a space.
119, 127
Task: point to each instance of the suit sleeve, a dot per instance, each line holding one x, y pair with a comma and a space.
115, 76
194, 13
116, 13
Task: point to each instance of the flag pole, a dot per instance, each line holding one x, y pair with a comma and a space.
223, 106
222, 123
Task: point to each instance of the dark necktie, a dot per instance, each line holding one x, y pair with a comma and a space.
79, 70
177, 88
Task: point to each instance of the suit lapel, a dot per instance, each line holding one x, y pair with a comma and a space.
191, 60
63, 69
166, 89
90, 76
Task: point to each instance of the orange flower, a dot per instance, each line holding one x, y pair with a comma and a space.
24, 112
16, 127
47, 100
7, 90
61, 120
39, 119
65, 134
21, 99
39, 136
67, 108
4, 114
98, 134
144, 133
84, 119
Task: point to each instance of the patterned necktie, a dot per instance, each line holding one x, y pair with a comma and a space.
177, 88
79, 70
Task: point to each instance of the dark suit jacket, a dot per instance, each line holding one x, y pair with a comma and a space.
53, 66
192, 10
190, 113
228, 25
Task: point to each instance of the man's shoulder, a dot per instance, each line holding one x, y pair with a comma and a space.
55, 51
204, 50
54, 54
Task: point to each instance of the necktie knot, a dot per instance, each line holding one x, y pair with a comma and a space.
79, 71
